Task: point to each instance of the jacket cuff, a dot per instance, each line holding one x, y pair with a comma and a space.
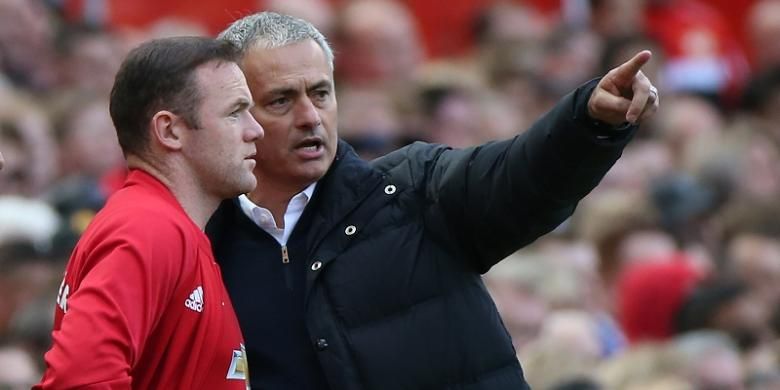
601, 131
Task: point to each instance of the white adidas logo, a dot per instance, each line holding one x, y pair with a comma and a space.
195, 301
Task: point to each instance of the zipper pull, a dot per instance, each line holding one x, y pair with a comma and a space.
285, 255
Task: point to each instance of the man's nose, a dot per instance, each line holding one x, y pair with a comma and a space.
306, 114
254, 129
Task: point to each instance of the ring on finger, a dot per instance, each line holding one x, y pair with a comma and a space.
654, 93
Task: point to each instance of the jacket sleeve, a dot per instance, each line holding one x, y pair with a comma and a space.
125, 284
500, 196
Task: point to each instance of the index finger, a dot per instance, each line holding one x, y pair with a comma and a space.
624, 74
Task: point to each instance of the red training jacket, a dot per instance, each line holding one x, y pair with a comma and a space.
142, 304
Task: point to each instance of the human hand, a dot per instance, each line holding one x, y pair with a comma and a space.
625, 94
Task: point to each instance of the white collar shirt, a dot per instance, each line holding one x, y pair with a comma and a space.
265, 220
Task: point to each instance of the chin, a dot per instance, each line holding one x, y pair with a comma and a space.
313, 175
240, 187
318, 170
249, 187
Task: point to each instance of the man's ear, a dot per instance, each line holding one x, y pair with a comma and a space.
167, 130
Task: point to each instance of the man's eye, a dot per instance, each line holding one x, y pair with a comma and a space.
278, 102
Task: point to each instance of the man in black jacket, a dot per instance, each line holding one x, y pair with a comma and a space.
351, 275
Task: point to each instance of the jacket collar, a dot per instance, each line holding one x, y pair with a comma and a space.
348, 182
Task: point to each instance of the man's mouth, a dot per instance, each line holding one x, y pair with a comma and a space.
310, 147
311, 143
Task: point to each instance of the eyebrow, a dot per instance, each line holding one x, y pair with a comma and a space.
286, 91
241, 104
319, 85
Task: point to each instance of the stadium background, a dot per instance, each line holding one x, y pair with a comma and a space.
666, 277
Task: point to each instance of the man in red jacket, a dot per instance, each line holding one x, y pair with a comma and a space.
142, 305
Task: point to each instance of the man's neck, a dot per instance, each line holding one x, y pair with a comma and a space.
196, 202
275, 200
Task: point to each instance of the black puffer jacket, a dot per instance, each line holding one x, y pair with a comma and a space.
392, 254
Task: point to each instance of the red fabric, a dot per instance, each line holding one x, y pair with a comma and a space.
126, 317
650, 293
113, 180
735, 12
213, 15
677, 23
445, 25
671, 23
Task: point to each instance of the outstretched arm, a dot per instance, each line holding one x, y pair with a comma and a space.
498, 197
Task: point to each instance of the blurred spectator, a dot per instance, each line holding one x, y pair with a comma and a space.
736, 14
623, 228
91, 164
650, 295
566, 350
503, 22
571, 58
516, 287
30, 152
729, 306
140, 14
643, 162
644, 367
513, 71
511, 41
18, 371
28, 220
685, 121
454, 107
685, 207
450, 115
751, 237
740, 163
29, 285
618, 18
174, 26
762, 368
377, 44
369, 121
27, 228
448, 31
87, 139
27, 50
700, 183
763, 32
554, 274
91, 58
710, 361
576, 283
761, 101
702, 53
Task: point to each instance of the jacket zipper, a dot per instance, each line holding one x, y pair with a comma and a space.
286, 269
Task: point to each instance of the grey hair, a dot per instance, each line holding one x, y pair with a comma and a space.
271, 30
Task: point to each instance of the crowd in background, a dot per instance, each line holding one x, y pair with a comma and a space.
666, 277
